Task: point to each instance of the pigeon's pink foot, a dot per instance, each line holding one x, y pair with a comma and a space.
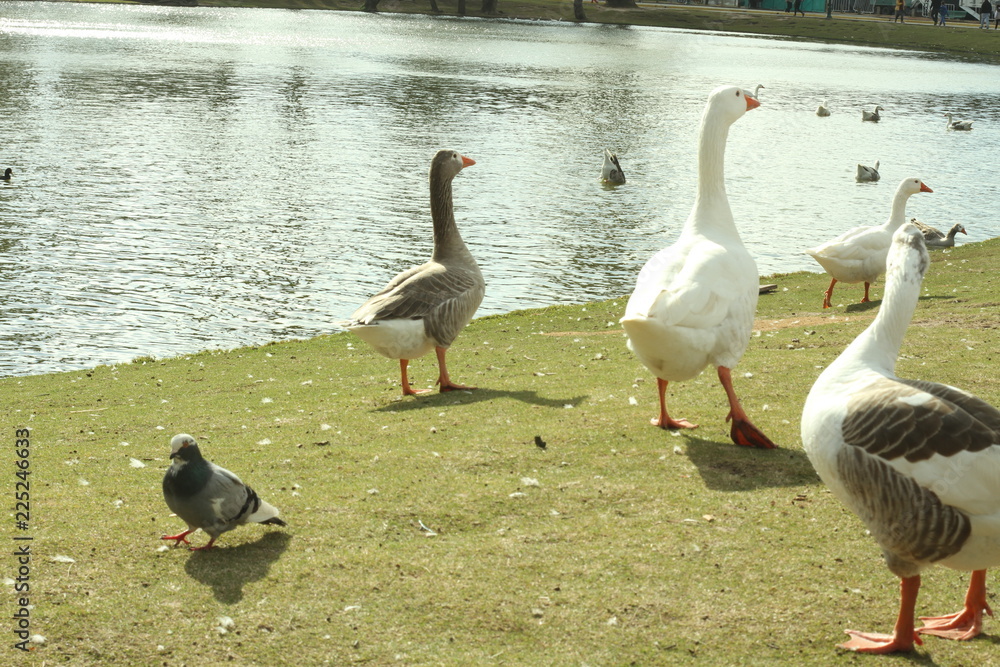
178, 538
206, 547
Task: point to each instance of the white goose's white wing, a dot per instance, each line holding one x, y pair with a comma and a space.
856, 255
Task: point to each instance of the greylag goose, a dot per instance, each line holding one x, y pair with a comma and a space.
7, 173
858, 255
427, 306
209, 497
917, 461
964, 125
694, 301
867, 174
933, 236
872, 116
822, 110
612, 172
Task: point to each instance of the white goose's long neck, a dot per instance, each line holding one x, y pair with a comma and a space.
880, 343
447, 241
897, 216
711, 207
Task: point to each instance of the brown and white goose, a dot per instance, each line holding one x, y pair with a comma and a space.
427, 306
935, 238
858, 255
962, 125
918, 462
867, 174
611, 171
872, 116
694, 301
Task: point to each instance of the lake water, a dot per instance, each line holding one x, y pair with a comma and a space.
191, 178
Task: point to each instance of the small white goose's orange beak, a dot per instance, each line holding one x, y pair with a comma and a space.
924, 188
752, 102
467, 162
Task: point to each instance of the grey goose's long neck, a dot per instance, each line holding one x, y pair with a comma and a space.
881, 341
448, 242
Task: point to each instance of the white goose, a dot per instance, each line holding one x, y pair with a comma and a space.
872, 116
612, 172
918, 462
933, 236
427, 306
858, 255
823, 109
964, 125
694, 302
867, 174
756, 91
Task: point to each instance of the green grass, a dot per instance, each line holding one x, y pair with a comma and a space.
636, 545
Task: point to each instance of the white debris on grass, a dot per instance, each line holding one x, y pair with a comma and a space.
632, 401
529, 481
224, 624
136, 463
62, 559
265, 441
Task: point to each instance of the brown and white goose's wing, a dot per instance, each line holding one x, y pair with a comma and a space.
929, 233
920, 464
443, 298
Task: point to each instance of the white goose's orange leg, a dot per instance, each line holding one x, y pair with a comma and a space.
664, 420
828, 294
743, 432
866, 299
903, 636
407, 389
443, 379
967, 623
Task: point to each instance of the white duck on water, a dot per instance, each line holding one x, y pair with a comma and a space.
918, 462
694, 301
858, 255
426, 307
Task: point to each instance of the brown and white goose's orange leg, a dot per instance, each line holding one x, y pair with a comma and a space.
828, 294
407, 389
743, 432
964, 624
443, 379
664, 420
903, 636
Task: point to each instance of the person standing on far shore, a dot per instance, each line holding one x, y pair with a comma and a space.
985, 10
935, 10
788, 6
944, 14
899, 11
797, 9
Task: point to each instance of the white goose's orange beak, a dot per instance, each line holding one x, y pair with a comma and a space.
752, 102
924, 188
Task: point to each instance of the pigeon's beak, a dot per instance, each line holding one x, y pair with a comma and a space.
174, 455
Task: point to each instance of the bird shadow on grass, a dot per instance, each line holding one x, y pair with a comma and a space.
724, 466
438, 399
228, 569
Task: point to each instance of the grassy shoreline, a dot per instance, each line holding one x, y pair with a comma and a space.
862, 30
617, 543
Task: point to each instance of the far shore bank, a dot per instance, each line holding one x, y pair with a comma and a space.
918, 33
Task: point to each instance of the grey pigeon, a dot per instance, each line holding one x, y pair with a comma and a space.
209, 497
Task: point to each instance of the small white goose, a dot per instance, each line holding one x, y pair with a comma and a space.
427, 306
918, 462
858, 255
694, 301
934, 238
872, 116
612, 172
756, 91
867, 174
963, 125
823, 109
